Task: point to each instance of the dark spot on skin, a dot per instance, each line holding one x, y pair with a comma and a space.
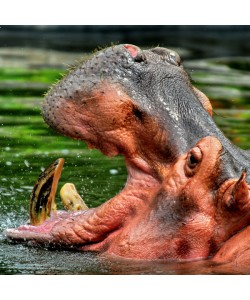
174, 211
138, 113
213, 247
183, 248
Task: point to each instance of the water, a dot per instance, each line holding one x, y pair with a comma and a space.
27, 146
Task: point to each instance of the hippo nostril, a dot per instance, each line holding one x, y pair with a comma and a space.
140, 57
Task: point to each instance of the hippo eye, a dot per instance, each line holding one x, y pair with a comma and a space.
194, 157
192, 161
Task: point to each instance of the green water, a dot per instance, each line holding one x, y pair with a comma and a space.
27, 146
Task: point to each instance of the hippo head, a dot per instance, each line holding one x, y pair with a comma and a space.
181, 200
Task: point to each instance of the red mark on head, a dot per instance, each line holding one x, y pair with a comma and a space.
133, 50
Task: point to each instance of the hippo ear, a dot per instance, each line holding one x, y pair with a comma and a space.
204, 101
239, 196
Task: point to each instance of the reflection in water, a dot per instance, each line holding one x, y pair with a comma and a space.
27, 146
20, 259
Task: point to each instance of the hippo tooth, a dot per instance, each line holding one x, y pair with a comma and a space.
42, 199
71, 199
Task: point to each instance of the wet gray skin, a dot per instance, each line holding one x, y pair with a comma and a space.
171, 100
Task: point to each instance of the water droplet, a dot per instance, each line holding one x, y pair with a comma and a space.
27, 164
113, 171
65, 151
27, 187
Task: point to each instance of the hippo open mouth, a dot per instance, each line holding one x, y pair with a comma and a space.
185, 179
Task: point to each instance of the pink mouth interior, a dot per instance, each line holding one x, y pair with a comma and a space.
97, 224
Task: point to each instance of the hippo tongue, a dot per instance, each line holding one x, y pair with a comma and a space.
74, 229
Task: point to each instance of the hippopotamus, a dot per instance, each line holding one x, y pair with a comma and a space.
187, 193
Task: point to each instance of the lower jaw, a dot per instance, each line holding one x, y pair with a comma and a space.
112, 217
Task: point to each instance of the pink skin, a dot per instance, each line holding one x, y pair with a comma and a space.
171, 206
236, 251
133, 50
130, 224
